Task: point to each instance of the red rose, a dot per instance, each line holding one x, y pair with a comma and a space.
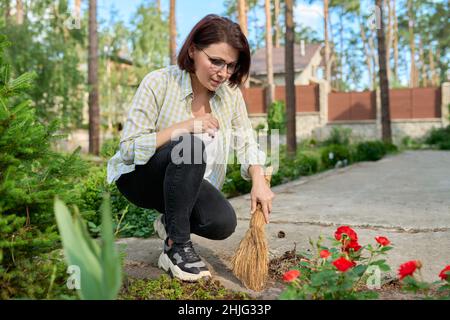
353, 245
325, 254
346, 230
343, 264
291, 275
445, 273
408, 268
383, 241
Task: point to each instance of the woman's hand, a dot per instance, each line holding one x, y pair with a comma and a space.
206, 123
261, 193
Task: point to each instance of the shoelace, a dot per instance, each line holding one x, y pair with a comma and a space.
189, 252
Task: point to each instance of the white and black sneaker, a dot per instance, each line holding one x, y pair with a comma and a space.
160, 227
183, 262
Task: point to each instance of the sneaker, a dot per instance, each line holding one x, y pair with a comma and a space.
159, 227
183, 262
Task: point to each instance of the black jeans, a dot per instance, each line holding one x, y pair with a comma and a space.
190, 204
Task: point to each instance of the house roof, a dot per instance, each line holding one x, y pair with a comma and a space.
258, 66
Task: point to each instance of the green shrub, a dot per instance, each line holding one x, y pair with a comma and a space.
333, 153
370, 150
110, 147
390, 147
339, 136
439, 137
410, 143
128, 220
43, 276
276, 117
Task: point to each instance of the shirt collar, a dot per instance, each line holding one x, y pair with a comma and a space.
186, 86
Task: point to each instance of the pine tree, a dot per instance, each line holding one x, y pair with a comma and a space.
31, 173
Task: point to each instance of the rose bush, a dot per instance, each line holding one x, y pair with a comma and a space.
339, 271
347, 270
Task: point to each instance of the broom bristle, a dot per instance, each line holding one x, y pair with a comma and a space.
251, 259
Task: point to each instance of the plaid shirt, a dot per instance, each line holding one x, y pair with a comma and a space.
164, 98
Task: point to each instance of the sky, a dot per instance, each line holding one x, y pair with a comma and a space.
189, 12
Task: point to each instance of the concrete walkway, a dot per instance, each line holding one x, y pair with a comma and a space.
404, 197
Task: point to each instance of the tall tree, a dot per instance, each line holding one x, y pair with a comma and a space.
242, 16
94, 108
327, 43
412, 69
269, 63
158, 6
77, 8
384, 82
173, 33
395, 39
290, 79
19, 11
243, 22
276, 22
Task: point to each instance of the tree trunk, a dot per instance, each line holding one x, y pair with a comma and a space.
173, 33
413, 73
368, 55
341, 48
422, 64
384, 82
158, 6
389, 38
290, 79
94, 110
242, 18
269, 65
433, 73
276, 22
19, 11
7, 11
327, 44
395, 41
77, 8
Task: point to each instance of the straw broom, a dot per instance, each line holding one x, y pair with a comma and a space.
250, 263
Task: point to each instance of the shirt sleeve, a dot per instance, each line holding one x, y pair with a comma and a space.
247, 150
138, 140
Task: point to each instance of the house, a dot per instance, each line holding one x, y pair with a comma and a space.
307, 61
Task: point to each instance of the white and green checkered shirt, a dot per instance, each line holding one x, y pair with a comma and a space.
164, 98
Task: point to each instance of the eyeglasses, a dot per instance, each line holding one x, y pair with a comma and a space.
219, 64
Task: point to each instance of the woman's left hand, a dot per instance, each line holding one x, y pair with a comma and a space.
261, 193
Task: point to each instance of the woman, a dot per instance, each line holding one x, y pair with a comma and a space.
175, 144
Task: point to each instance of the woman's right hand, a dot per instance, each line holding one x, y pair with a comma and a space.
206, 123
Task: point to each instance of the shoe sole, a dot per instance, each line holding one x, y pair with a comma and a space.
166, 264
158, 226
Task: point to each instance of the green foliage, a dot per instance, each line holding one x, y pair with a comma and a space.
276, 117
31, 173
149, 39
370, 150
43, 276
128, 219
439, 137
100, 265
109, 147
48, 47
334, 153
340, 136
173, 289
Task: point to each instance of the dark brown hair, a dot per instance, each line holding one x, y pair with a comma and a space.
214, 29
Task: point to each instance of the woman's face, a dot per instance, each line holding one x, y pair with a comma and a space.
212, 63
